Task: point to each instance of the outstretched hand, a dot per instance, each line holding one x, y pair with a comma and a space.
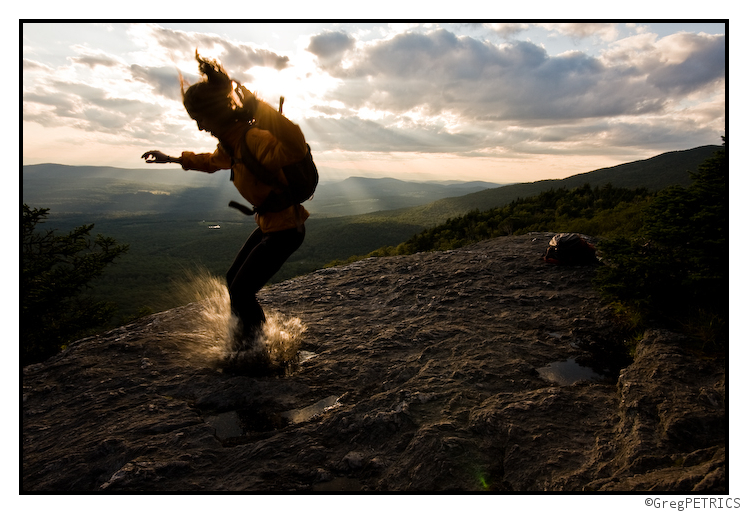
156, 156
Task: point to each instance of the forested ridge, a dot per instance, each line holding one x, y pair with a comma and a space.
600, 211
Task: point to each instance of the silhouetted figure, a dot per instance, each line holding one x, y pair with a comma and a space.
244, 124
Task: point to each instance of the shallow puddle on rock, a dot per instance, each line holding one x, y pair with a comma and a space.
567, 372
226, 424
307, 413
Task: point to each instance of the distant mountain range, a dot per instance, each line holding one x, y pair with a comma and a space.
116, 191
166, 215
655, 173
107, 191
358, 195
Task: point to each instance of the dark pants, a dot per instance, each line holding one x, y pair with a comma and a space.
259, 259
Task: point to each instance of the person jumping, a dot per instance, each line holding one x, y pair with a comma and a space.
248, 131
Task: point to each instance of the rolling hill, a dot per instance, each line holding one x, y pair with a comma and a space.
165, 218
655, 173
117, 192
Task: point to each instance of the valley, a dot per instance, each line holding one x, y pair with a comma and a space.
166, 217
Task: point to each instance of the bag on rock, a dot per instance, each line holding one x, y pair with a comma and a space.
570, 249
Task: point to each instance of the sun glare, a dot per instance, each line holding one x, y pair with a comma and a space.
371, 114
270, 84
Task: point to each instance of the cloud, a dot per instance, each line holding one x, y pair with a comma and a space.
94, 109
419, 80
92, 58
30, 65
703, 64
180, 46
92, 102
164, 80
577, 31
414, 89
507, 30
353, 133
330, 47
92, 92
609, 136
518, 80
83, 106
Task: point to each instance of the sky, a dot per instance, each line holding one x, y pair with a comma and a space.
500, 102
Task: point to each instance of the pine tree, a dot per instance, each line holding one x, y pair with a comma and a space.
55, 271
676, 270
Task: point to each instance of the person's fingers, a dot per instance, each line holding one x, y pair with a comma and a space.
153, 154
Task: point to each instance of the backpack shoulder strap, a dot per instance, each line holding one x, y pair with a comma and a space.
255, 166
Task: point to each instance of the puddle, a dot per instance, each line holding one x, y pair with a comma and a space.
307, 413
567, 372
226, 424
234, 424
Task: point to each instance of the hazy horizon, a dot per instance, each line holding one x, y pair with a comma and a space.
191, 178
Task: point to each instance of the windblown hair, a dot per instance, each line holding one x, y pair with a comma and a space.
212, 95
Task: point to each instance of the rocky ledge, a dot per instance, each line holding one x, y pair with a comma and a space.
470, 370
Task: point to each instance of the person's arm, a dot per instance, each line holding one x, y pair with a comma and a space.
208, 162
160, 157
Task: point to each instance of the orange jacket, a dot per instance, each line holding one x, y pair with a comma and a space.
276, 142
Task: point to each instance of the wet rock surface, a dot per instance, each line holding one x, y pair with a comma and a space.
418, 373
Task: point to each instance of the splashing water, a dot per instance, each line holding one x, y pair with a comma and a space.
210, 331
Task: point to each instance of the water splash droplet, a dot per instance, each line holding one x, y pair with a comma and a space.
207, 334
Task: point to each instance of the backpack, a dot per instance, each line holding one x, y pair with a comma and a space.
302, 180
570, 249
